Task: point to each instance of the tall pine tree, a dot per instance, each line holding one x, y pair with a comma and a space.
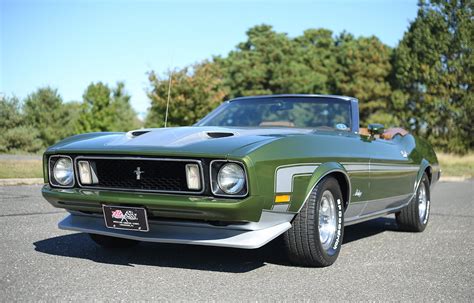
433, 74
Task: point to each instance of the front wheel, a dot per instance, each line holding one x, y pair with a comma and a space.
414, 217
315, 238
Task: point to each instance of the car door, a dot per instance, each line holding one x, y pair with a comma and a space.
392, 175
357, 166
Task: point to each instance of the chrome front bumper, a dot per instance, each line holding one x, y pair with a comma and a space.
248, 235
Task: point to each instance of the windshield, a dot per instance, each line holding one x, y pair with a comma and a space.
321, 113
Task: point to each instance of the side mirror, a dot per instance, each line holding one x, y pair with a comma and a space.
375, 129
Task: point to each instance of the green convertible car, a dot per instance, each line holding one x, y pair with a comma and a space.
254, 169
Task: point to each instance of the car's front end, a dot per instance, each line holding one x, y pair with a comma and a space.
178, 190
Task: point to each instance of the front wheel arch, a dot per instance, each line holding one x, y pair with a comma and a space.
330, 169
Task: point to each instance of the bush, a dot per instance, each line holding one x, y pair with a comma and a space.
21, 138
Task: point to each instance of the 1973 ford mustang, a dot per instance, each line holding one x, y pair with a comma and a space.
295, 166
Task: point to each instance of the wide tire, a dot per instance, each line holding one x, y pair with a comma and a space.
303, 240
112, 242
414, 217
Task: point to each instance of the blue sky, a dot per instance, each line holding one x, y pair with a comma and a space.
69, 44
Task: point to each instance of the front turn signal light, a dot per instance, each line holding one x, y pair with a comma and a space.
282, 198
85, 174
193, 176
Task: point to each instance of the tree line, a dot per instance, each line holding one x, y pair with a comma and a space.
423, 84
42, 118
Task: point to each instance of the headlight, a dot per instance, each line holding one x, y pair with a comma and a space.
63, 172
231, 178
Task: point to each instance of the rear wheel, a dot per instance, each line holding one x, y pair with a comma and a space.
414, 217
112, 242
315, 238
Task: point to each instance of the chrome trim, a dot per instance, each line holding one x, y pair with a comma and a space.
378, 167
345, 98
247, 235
375, 215
355, 123
228, 195
145, 159
73, 171
386, 198
371, 216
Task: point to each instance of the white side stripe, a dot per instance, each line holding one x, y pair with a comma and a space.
284, 176
379, 167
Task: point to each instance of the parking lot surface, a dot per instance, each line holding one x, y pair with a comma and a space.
377, 262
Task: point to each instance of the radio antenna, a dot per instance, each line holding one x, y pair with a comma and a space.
168, 101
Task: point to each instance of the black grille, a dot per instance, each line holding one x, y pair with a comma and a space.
155, 175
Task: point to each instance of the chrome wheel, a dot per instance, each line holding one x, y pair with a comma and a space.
327, 220
422, 202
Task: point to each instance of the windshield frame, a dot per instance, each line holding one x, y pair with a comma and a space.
353, 106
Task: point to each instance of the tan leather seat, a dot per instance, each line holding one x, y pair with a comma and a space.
277, 123
364, 131
389, 133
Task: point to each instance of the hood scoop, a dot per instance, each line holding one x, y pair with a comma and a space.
219, 134
135, 133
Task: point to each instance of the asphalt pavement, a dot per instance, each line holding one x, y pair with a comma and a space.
377, 262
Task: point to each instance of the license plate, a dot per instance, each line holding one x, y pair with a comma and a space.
123, 217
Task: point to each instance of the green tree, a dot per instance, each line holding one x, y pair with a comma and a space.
10, 113
363, 69
314, 51
250, 69
106, 109
15, 136
44, 110
272, 63
313, 63
195, 91
433, 74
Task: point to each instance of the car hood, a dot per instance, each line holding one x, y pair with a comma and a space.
198, 141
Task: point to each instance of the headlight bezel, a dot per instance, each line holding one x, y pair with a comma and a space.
215, 167
51, 165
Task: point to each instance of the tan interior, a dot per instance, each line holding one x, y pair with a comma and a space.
388, 134
364, 131
277, 123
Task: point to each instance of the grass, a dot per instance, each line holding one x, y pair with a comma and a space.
451, 165
25, 168
455, 165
